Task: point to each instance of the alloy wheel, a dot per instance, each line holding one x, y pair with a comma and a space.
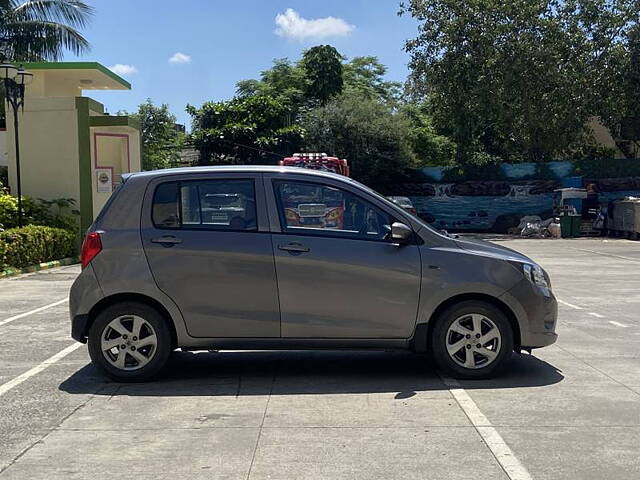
128, 342
473, 341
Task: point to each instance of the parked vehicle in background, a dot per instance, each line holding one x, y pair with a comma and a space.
288, 258
405, 203
317, 161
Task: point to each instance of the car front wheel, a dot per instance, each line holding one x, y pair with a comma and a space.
472, 340
129, 342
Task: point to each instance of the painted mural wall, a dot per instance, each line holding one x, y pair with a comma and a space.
497, 205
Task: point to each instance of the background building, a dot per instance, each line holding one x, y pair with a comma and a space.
69, 148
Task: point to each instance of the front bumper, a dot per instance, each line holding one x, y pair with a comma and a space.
536, 310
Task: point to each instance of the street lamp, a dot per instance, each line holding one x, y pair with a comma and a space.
15, 79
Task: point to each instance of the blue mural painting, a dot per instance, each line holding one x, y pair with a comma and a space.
497, 205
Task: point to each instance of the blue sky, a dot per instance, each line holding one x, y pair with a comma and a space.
223, 41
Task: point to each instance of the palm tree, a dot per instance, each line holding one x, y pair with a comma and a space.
41, 30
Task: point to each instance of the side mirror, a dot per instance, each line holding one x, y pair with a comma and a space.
400, 233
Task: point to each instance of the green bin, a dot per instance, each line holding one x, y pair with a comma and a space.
570, 226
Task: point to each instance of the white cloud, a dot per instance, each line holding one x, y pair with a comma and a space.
179, 57
123, 69
291, 25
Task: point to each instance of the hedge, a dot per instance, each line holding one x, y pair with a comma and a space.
34, 244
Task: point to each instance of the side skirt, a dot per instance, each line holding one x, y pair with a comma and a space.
297, 344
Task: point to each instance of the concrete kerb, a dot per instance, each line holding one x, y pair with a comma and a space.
11, 272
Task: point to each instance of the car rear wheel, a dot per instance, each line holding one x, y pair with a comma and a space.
129, 342
472, 339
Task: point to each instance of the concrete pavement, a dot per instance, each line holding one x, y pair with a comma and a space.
571, 411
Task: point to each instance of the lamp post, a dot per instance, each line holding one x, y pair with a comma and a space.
15, 79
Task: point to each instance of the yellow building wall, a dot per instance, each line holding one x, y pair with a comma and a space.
48, 149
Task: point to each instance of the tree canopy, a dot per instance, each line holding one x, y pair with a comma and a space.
327, 103
369, 134
41, 30
252, 129
322, 67
161, 140
519, 79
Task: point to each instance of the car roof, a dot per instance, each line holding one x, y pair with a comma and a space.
235, 169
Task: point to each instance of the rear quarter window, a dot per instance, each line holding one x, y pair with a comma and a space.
218, 204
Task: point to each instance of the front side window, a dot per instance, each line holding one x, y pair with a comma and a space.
323, 209
208, 204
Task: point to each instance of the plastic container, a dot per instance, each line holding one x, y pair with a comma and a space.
626, 217
570, 226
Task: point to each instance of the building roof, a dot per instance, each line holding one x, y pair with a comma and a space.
84, 75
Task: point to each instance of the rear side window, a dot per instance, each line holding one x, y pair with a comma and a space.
208, 204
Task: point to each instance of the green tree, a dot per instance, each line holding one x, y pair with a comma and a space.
428, 146
40, 30
369, 134
293, 83
245, 130
518, 79
283, 80
632, 74
322, 67
161, 140
364, 76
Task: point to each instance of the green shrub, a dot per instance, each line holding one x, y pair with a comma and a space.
8, 210
34, 244
58, 213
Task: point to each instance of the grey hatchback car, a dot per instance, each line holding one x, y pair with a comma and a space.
287, 258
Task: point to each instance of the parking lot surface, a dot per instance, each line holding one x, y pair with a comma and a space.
570, 411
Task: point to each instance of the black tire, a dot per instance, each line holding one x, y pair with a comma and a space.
438, 340
162, 349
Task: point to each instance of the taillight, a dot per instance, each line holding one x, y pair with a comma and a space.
91, 246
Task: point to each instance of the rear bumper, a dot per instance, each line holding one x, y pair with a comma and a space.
84, 295
79, 328
537, 312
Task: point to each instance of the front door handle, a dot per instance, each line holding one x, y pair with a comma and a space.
294, 247
167, 240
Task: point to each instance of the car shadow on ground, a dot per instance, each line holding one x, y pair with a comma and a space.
296, 372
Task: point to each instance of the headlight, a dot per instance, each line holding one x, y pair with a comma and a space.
535, 275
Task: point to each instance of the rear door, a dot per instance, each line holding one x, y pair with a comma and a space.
207, 242
338, 274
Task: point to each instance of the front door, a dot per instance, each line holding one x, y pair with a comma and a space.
338, 274
209, 250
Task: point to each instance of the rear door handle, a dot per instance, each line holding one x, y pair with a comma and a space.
294, 247
167, 240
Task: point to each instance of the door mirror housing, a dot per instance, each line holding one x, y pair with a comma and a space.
400, 233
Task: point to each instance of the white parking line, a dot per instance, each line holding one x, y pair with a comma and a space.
570, 305
5, 387
594, 314
500, 450
31, 312
618, 324
607, 254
